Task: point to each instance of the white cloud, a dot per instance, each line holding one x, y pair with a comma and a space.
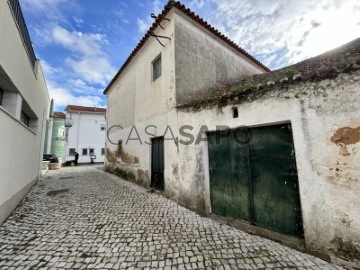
41, 5
80, 76
198, 3
63, 97
49, 70
142, 25
79, 22
47, 8
78, 42
88, 60
77, 82
291, 30
120, 13
156, 8
96, 70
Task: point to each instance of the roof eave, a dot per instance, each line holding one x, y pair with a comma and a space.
172, 4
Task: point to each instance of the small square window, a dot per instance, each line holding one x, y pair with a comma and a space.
235, 112
102, 128
102, 151
84, 152
92, 151
156, 66
61, 133
72, 152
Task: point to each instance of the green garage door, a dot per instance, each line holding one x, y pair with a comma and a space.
256, 182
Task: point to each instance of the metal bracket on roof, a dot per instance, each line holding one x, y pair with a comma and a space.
157, 38
162, 18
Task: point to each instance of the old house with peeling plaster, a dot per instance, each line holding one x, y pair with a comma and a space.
287, 167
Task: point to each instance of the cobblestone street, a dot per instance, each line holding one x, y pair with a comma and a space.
99, 221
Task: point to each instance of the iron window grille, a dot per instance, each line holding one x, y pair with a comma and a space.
102, 151
156, 66
84, 152
92, 151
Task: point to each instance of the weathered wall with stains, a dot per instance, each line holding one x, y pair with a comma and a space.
204, 62
325, 119
136, 100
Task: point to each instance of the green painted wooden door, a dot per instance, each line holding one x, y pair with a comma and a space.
229, 182
157, 163
257, 182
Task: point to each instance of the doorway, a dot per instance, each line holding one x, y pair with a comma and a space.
157, 163
257, 182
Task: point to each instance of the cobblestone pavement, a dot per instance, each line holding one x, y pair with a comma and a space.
103, 222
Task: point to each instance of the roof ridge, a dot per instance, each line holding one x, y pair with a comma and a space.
84, 108
195, 17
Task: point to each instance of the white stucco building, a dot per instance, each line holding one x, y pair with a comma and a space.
24, 109
294, 175
85, 131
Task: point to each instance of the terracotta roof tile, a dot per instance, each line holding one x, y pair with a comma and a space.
77, 108
327, 65
59, 115
196, 18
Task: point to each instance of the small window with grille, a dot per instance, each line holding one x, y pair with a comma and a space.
156, 67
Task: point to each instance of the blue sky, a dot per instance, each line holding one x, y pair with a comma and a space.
82, 43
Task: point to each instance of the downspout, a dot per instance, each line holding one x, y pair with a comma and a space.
41, 148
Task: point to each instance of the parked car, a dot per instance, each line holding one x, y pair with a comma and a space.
50, 157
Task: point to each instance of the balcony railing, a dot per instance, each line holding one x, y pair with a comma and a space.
24, 33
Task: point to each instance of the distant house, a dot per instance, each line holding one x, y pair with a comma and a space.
58, 135
85, 130
196, 117
24, 109
55, 137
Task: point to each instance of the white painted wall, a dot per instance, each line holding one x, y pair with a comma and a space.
135, 100
204, 62
85, 132
21, 147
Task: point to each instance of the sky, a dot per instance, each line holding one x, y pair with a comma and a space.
82, 43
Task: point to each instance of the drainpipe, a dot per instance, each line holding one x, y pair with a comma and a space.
41, 143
